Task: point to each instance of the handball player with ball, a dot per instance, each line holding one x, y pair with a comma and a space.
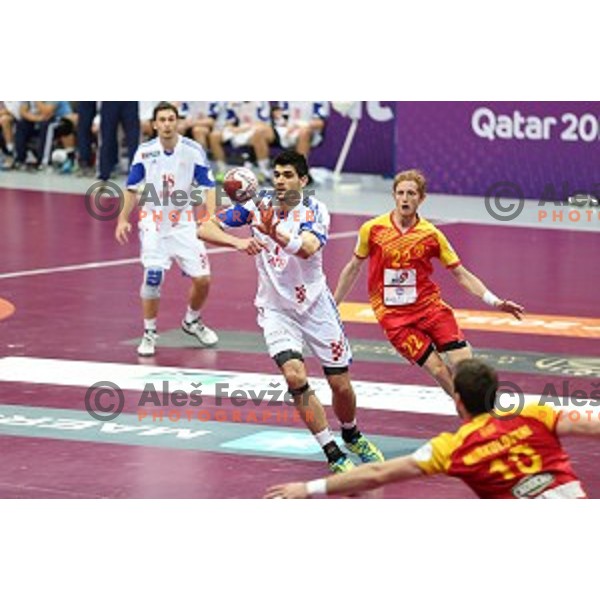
295, 306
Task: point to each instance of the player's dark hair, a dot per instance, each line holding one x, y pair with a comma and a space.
477, 385
164, 106
293, 159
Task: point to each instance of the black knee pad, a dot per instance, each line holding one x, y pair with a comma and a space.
286, 356
335, 370
299, 391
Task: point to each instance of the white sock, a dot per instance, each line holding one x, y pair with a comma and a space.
149, 324
191, 315
221, 166
324, 437
349, 425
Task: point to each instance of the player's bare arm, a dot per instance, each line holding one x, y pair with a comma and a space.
587, 425
475, 286
211, 231
210, 202
348, 278
361, 479
123, 225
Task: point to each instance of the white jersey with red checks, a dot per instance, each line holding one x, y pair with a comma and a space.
286, 281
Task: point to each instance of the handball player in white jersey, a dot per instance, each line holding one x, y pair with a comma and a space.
173, 169
295, 306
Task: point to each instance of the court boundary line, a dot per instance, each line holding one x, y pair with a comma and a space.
130, 261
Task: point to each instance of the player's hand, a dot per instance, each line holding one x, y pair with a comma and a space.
516, 310
122, 232
268, 221
289, 491
250, 246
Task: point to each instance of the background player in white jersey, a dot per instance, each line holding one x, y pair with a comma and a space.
171, 166
299, 124
294, 303
245, 123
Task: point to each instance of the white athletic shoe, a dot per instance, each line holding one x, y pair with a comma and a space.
205, 335
147, 346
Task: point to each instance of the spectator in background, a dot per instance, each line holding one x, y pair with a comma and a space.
86, 131
146, 111
199, 118
8, 114
66, 122
299, 125
111, 114
34, 119
246, 123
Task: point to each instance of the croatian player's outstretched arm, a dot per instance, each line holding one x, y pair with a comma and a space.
304, 245
475, 286
212, 232
348, 278
361, 479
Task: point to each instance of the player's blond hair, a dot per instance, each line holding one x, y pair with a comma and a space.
412, 175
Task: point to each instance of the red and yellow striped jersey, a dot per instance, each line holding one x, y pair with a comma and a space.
516, 457
400, 266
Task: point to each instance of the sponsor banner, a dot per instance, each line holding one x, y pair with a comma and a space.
376, 351
559, 325
229, 438
550, 150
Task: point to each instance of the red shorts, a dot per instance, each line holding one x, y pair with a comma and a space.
436, 326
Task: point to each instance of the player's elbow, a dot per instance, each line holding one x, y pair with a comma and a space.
203, 230
309, 247
379, 476
375, 475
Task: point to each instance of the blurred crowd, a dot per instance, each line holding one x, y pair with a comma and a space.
99, 139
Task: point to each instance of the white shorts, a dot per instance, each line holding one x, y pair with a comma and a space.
288, 136
320, 328
159, 249
238, 139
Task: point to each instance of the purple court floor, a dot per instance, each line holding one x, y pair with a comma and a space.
75, 294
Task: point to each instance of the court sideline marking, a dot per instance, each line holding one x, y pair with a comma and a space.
130, 261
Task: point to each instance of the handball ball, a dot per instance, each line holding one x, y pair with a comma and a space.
59, 157
240, 184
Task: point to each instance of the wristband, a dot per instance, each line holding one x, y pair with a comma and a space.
491, 299
317, 487
293, 246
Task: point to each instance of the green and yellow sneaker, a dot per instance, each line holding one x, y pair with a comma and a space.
367, 451
341, 465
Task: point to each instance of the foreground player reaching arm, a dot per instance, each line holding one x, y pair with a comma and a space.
496, 456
